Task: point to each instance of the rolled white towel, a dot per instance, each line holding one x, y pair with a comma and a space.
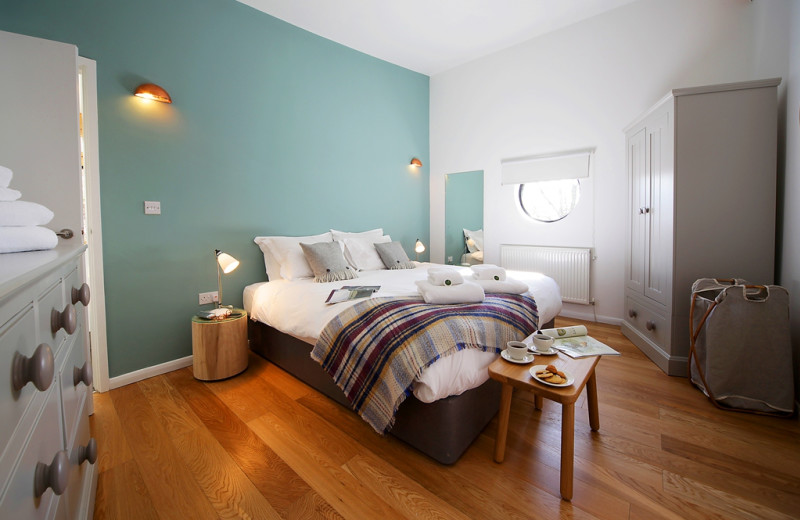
16, 239
8, 195
466, 292
444, 276
5, 176
507, 286
488, 272
23, 213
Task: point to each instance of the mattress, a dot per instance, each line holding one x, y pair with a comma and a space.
298, 308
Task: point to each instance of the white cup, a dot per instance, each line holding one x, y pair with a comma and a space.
543, 343
517, 350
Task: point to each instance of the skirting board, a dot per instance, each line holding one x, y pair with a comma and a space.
145, 373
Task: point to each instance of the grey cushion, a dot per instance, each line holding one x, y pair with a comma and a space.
393, 256
327, 261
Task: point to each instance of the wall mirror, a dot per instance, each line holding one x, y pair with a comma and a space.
463, 211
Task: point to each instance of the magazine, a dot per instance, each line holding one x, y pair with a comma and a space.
351, 292
575, 342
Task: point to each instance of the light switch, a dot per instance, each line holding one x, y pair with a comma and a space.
152, 207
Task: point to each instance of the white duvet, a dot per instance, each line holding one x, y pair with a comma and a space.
298, 308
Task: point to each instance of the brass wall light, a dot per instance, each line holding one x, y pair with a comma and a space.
416, 162
152, 91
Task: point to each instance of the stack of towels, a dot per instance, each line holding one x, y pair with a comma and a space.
21, 222
493, 279
447, 285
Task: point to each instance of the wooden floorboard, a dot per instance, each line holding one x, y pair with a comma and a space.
264, 445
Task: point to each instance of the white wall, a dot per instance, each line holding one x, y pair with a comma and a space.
579, 87
789, 274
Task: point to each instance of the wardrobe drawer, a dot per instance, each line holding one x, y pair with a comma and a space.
44, 450
17, 342
82, 457
650, 324
52, 313
73, 378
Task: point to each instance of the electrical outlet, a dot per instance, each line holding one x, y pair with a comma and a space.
208, 297
152, 207
449, 259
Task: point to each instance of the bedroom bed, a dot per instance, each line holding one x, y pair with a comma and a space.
449, 403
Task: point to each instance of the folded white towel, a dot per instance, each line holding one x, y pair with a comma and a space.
488, 272
466, 292
23, 213
16, 239
444, 276
507, 286
5, 177
7, 194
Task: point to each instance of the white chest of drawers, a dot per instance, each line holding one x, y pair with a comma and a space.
47, 454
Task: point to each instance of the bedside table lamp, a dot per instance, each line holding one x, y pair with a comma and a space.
225, 264
419, 247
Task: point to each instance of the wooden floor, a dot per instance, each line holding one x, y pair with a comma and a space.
263, 445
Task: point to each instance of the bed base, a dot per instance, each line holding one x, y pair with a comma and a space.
443, 430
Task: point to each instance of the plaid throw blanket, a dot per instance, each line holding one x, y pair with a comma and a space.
375, 349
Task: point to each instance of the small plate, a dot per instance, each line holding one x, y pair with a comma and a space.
539, 368
540, 353
524, 361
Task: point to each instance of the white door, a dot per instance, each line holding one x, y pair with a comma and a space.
40, 142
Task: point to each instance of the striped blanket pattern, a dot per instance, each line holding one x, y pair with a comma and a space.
375, 349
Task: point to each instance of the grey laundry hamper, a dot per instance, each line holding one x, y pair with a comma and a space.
741, 353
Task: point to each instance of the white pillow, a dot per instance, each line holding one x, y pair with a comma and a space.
477, 240
361, 254
288, 253
341, 235
272, 265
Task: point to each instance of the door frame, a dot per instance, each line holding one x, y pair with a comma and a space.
94, 235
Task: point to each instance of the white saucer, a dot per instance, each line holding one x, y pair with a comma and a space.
539, 368
540, 353
524, 361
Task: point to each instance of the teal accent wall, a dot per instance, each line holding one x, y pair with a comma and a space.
273, 130
463, 210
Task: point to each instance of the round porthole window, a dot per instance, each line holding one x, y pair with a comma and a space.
549, 201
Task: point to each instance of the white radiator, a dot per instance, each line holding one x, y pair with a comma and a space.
568, 266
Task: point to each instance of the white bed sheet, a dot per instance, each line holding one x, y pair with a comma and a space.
298, 308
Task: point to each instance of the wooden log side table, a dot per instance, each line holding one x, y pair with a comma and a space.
518, 376
219, 347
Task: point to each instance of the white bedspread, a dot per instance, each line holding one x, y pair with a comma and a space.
298, 308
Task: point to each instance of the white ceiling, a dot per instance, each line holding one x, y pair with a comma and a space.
431, 36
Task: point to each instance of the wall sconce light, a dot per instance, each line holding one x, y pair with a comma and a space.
225, 264
416, 163
419, 247
152, 91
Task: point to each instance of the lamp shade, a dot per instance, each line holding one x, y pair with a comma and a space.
416, 162
226, 262
419, 247
152, 91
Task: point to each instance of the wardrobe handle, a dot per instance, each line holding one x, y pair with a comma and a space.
632, 313
650, 325
54, 476
641, 211
82, 375
66, 319
37, 369
81, 295
88, 452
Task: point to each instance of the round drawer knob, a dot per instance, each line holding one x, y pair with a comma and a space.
88, 452
82, 375
650, 325
37, 369
632, 313
55, 476
81, 295
66, 319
